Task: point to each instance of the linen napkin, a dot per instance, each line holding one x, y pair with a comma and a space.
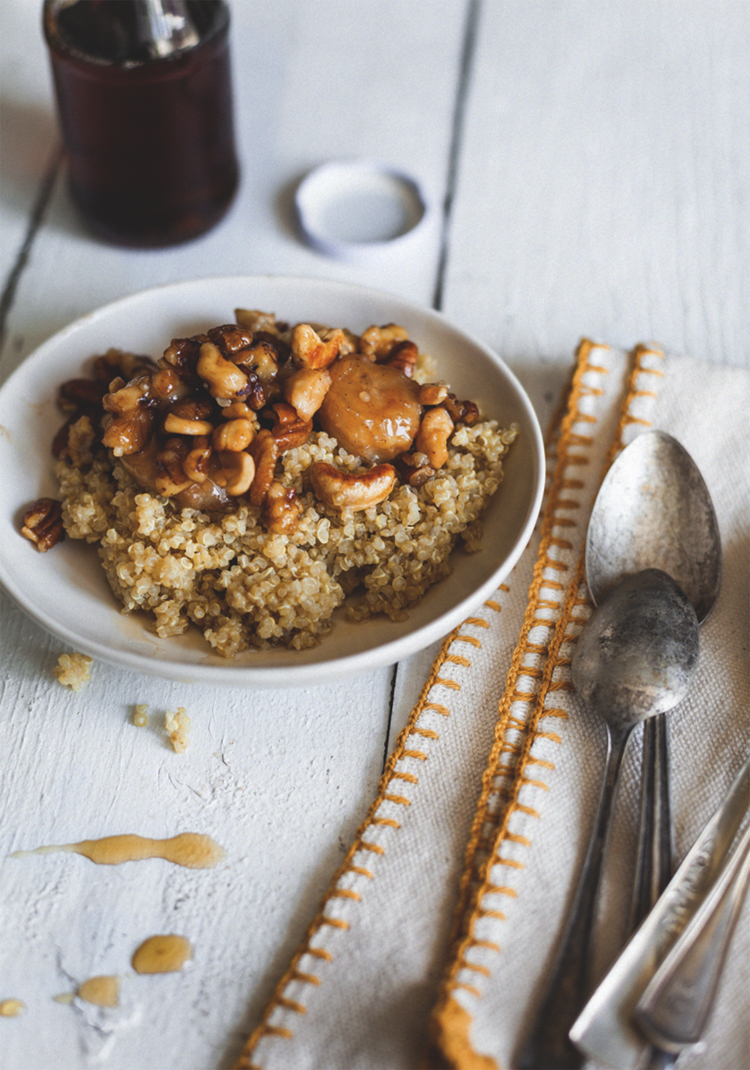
431, 945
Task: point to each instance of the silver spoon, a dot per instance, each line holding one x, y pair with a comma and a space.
654, 511
634, 659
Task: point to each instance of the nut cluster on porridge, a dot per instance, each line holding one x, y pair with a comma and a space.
259, 474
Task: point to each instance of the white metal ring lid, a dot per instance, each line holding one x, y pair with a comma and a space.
355, 208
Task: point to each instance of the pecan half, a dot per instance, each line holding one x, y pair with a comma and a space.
289, 431
404, 356
42, 523
115, 362
461, 412
231, 339
81, 395
414, 468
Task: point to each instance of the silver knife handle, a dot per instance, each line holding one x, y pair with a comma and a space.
675, 1007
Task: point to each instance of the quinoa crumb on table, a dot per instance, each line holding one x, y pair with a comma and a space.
245, 585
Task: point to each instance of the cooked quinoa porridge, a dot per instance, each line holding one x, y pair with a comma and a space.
261, 475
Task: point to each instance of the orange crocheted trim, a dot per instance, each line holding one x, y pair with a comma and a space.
372, 837
538, 671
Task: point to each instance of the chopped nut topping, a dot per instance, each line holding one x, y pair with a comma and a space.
208, 423
42, 524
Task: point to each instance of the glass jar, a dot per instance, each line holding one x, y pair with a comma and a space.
150, 141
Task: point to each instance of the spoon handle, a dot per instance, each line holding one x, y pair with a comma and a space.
654, 860
548, 1046
655, 843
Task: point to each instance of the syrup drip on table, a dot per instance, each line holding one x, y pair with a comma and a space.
190, 849
11, 1008
103, 991
162, 954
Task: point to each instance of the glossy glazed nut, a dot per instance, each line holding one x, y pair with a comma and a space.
305, 390
414, 468
116, 362
195, 464
264, 451
254, 320
289, 430
42, 524
81, 394
432, 393
166, 385
237, 472
180, 425
234, 435
223, 378
377, 342
348, 491
432, 438
404, 356
129, 432
237, 410
311, 350
170, 475
281, 509
461, 412
263, 359
128, 398
231, 338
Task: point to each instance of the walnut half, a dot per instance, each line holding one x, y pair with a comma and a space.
42, 523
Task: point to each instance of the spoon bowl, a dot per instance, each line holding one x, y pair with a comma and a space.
653, 510
638, 653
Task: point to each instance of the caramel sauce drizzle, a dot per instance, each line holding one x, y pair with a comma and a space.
190, 849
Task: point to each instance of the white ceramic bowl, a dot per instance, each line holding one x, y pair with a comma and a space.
65, 590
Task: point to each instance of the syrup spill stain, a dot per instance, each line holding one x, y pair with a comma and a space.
190, 849
162, 954
102, 991
11, 1008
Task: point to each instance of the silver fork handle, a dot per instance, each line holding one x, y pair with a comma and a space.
676, 1005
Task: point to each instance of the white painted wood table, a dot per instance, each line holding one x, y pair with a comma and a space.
589, 166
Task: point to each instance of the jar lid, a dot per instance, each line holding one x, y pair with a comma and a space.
355, 208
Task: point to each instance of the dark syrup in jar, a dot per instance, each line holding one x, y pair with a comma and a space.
150, 142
